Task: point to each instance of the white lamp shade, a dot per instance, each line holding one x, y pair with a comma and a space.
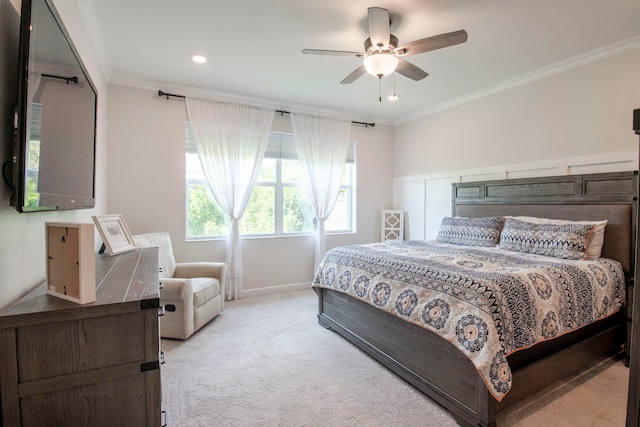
380, 64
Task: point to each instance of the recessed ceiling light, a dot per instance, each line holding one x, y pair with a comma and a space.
199, 58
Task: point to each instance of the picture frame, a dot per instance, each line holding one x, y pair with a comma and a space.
115, 233
70, 261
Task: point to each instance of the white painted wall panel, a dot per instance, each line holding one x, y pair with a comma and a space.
427, 198
438, 203
409, 195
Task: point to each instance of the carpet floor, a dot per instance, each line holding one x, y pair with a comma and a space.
265, 361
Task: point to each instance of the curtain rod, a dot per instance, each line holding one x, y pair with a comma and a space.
162, 93
72, 79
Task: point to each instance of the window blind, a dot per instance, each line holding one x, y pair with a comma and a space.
35, 119
280, 145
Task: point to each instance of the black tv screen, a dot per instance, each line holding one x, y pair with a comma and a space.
55, 125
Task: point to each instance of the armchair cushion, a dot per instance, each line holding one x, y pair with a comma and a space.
204, 289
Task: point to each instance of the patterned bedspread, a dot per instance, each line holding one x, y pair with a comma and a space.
488, 302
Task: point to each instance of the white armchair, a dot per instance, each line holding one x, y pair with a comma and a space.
192, 293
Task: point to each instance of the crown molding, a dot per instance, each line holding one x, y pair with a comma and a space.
89, 17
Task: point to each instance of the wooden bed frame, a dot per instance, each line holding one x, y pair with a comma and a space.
445, 374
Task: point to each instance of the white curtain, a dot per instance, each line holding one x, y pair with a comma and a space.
231, 139
322, 144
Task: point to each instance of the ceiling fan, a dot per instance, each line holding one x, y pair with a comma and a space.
382, 55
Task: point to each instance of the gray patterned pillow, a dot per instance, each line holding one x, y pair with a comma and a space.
471, 231
567, 241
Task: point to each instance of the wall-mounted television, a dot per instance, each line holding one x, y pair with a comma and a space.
53, 159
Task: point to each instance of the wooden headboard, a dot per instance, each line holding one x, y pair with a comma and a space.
610, 196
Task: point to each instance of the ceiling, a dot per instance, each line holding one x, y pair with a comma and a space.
254, 48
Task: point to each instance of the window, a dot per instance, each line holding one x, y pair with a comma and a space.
278, 204
32, 196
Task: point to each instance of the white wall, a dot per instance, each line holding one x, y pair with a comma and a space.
22, 259
578, 121
146, 185
579, 112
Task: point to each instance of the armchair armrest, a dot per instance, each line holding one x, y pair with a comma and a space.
179, 293
189, 270
177, 289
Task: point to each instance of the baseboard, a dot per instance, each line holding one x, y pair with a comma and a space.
276, 289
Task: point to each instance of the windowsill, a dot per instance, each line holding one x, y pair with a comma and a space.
271, 236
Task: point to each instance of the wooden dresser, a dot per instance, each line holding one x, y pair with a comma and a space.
65, 364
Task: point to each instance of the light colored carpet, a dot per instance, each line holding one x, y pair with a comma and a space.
266, 362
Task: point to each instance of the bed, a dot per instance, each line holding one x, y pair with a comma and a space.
471, 389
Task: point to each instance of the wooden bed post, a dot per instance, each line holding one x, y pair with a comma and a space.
487, 406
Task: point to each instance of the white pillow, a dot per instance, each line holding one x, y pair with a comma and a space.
595, 242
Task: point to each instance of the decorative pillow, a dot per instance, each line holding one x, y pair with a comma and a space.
471, 231
594, 245
567, 241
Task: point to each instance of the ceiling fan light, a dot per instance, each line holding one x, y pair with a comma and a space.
380, 64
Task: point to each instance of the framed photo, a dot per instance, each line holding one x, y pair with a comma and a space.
115, 233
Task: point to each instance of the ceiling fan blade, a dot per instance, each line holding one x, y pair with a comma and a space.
331, 52
433, 43
407, 69
354, 75
379, 27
